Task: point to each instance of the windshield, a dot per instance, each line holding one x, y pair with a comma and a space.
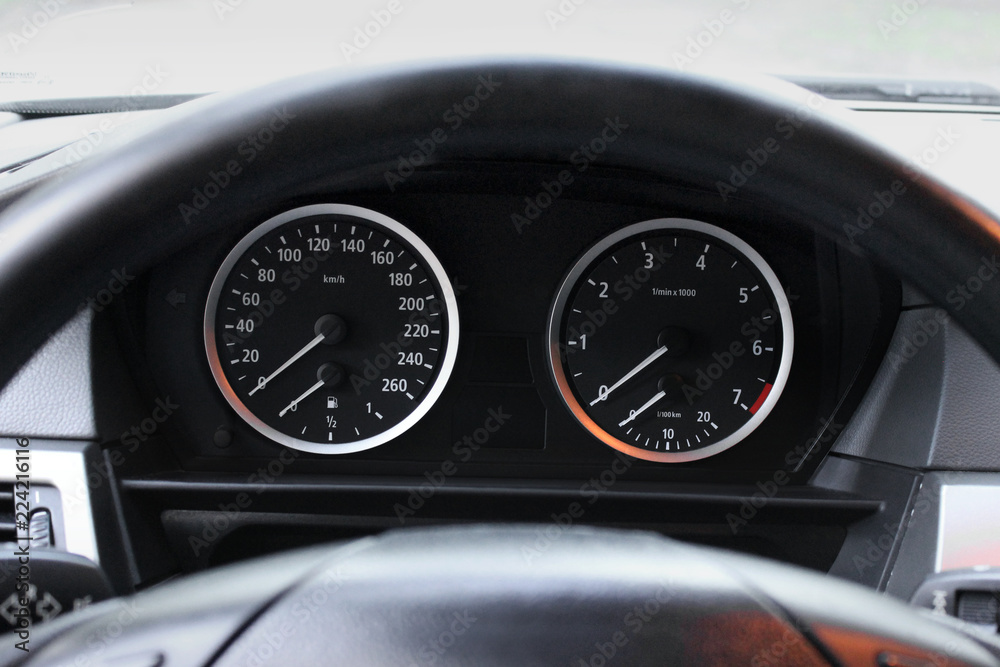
87, 48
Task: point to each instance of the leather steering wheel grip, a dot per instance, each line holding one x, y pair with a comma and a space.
124, 208
528, 595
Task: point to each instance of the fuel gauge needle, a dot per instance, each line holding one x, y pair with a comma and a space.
645, 406
306, 393
660, 351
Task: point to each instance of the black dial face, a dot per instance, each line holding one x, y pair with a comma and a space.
671, 340
331, 328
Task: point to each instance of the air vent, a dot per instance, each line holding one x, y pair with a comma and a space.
979, 607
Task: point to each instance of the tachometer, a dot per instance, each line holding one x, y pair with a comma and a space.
331, 328
671, 340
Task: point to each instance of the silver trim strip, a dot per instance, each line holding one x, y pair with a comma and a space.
873, 105
968, 524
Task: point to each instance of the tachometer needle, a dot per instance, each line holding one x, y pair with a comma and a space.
306, 393
295, 357
644, 407
660, 351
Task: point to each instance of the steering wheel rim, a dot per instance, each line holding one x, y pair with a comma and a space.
83, 227
496, 595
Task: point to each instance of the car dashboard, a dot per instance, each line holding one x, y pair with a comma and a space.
842, 473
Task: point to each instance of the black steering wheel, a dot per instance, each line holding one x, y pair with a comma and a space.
488, 595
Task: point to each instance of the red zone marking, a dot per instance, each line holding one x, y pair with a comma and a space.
760, 399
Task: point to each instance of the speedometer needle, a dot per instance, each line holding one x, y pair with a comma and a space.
660, 351
644, 407
306, 393
298, 355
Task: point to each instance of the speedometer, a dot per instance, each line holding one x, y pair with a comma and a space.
331, 328
671, 340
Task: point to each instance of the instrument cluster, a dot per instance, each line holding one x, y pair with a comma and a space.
376, 334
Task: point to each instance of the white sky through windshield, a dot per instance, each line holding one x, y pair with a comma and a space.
82, 48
